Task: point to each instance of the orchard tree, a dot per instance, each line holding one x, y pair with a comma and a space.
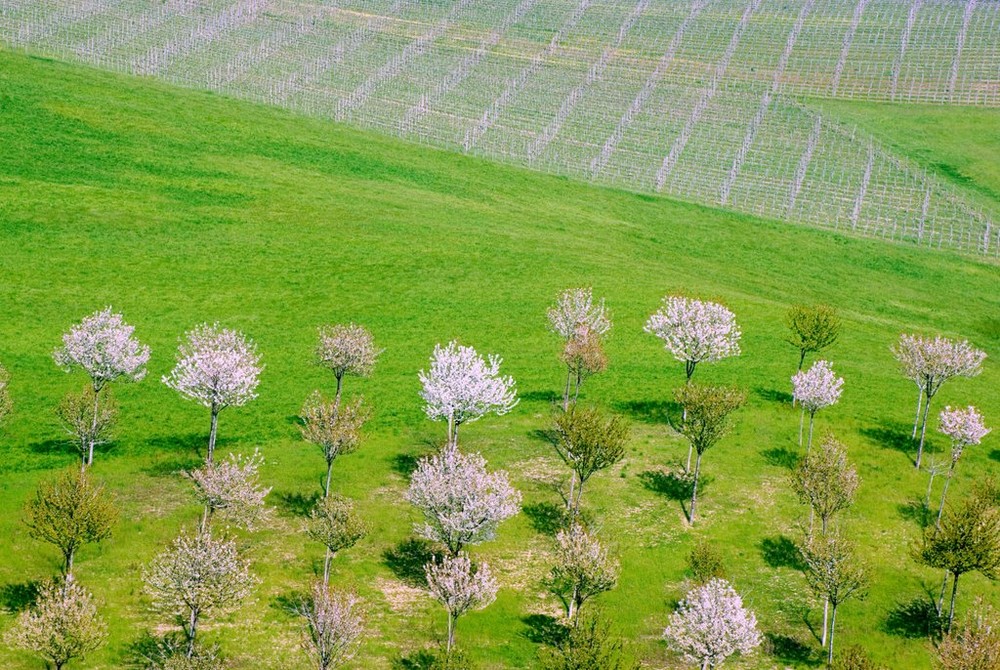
460, 586
5, 403
812, 329
196, 576
589, 645
583, 569
707, 410
334, 626
835, 574
232, 489
584, 356
346, 351
462, 503
968, 540
333, 427
695, 331
825, 481
929, 363
103, 346
88, 417
582, 323
334, 524
711, 624
588, 442
63, 624
70, 512
462, 386
976, 644
965, 428
217, 368
814, 389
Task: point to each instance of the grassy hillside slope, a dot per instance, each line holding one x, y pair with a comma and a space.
179, 207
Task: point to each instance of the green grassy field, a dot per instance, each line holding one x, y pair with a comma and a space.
178, 207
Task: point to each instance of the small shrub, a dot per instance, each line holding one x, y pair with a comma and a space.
706, 563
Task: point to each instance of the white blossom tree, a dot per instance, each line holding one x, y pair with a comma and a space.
462, 503
814, 389
695, 331
835, 574
334, 626
346, 350
217, 368
461, 386
460, 586
232, 488
965, 427
63, 624
198, 575
583, 569
929, 363
103, 346
582, 323
711, 624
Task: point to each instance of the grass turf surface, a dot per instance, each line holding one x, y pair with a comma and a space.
179, 207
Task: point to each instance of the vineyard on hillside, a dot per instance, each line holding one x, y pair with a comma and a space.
705, 100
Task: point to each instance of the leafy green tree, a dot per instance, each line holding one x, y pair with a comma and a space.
334, 524
589, 645
69, 513
583, 569
588, 441
834, 573
812, 329
825, 481
707, 410
706, 563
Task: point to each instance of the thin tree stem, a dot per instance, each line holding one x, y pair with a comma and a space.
923, 432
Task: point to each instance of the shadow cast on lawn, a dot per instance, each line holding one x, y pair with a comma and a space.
773, 395
18, 597
781, 552
544, 629
790, 650
407, 559
916, 618
780, 457
545, 517
656, 412
894, 436
192, 443
295, 503
917, 512
542, 396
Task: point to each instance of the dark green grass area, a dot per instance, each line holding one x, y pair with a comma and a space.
178, 207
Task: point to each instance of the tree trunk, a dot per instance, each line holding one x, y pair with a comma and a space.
327, 560
212, 433
576, 389
705, 665
576, 503
572, 490
454, 435
812, 421
569, 375
329, 473
923, 432
944, 589
826, 622
68, 563
93, 427
687, 468
927, 496
951, 610
694, 488
451, 430
451, 633
340, 385
916, 419
833, 628
206, 516
944, 492
802, 358
191, 632
802, 423
571, 612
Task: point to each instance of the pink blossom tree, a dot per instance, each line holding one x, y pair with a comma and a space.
965, 428
583, 569
232, 489
582, 323
930, 363
103, 346
217, 368
462, 503
333, 626
814, 389
460, 586
695, 331
711, 624
346, 350
461, 387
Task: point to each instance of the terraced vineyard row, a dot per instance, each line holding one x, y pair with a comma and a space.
701, 100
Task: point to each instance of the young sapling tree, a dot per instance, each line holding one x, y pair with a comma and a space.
460, 586
588, 442
346, 350
965, 428
334, 427
812, 329
814, 389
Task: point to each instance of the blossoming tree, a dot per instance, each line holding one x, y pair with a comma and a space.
582, 322
814, 389
695, 331
346, 350
965, 428
460, 586
461, 387
103, 346
217, 368
711, 624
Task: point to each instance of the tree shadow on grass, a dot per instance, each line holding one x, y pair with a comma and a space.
295, 503
422, 659
781, 552
995, 455
54, 447
192, 443
407, 560
545, 517
780, 457
916, 512
541, 396
917, 618
649, 411
288, 603
773, 395
544, 629
405, 464
894, 436
674, 486
788, 649
18, 597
